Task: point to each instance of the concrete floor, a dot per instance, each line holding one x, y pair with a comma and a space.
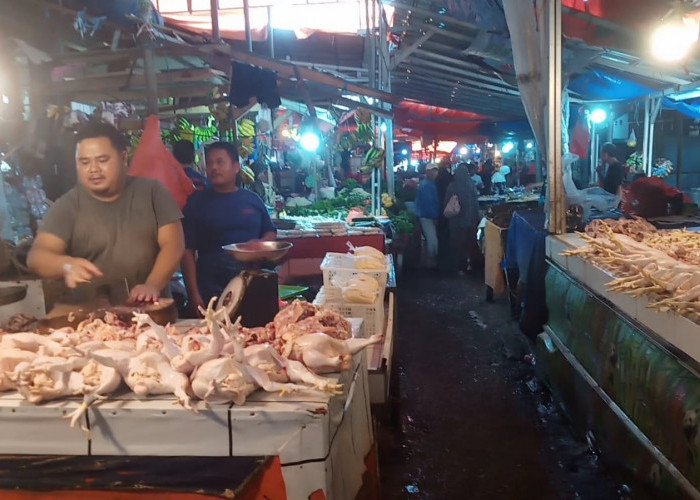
472, 421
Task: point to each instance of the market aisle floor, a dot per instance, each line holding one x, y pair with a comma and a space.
473, 422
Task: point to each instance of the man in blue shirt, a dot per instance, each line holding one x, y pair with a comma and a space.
218, 216
428, 212
183, 151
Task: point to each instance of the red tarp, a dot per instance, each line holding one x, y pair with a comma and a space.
637, 15
421, 120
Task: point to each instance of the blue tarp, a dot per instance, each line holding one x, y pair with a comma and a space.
599, 85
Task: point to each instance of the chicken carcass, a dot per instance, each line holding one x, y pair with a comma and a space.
47, 381
33, 342
147, 373
324, 354
279, 369
293, 313
222, 380
9, 359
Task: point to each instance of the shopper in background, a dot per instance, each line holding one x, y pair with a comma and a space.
474, 173
442, 180
499, 179
428, 211
610, 172
463, 226
487, 169
183, 151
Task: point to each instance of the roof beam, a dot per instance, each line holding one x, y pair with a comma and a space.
421, 90
433, 77
465, 65
287, 70
400, 55
464, 77
427, 12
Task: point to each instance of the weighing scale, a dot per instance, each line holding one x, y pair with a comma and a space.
253, 294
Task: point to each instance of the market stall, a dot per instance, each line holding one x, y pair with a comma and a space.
620, 345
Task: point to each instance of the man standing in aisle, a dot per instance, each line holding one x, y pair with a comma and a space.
611, 173
428, 212
215, 217
110, 224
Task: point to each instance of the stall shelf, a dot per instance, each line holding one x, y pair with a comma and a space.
626, 374
321, 441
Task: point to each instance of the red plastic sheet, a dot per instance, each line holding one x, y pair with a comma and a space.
152, 159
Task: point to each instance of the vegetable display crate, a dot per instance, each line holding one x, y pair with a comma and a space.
372, 314
341, 267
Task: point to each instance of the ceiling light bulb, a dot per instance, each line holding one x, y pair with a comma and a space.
672, 41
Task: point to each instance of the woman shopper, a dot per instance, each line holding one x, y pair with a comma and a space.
463, 226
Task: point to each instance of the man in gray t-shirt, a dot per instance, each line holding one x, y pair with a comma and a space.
110, 224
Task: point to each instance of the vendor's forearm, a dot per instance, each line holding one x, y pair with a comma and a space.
46, 263
269, 236
189, 272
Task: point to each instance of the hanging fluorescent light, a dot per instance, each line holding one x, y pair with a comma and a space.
508, 147
529, 145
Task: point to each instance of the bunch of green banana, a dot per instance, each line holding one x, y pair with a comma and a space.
247, 175
364, 133
246, 128
374, 157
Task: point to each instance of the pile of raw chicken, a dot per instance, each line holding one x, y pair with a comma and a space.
645, 261
217, 361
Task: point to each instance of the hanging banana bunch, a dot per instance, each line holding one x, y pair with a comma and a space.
365, 130
246, 137
374, 158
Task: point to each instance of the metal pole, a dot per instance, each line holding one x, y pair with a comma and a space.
645, 142
555, 181
216, 35
679, 154
594, 156
246, 19
270, 32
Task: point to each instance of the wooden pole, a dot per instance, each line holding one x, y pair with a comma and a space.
555, 180
149, 65
216, 35
246, 19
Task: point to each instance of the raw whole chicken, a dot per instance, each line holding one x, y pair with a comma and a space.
279, 369
32, 342
96, 380
324, 354
222, 380
37, 384
9, 359
147, 373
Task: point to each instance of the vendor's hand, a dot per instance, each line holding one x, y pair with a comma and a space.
144, 293
194, 304
77, 271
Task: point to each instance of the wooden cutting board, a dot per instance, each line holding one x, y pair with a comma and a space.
62, 315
